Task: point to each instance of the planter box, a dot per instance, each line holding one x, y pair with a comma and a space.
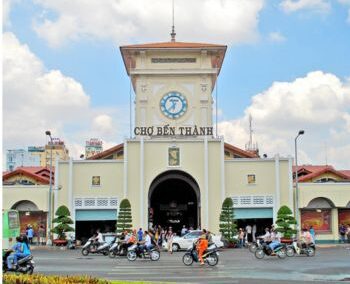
286, 241
60, 242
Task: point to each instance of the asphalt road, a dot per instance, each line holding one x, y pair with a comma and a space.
329, 265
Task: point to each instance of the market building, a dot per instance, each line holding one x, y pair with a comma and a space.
174, 168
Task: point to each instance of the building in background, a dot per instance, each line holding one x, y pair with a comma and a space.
20, 158
26, 189
92, 147
324, 199
58, 150
36, 156
38, 151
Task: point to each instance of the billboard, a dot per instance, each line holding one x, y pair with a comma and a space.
319, 219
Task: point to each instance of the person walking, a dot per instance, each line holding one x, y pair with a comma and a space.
139, 235
254, 233
248, 230
342, 231
170, 238
30, 234
41, 235
312, 232
241, 237
184, 230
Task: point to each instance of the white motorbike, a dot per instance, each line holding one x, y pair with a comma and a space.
92, 247
136, 251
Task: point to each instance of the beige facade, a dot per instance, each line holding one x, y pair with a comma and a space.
326, 198
174, 169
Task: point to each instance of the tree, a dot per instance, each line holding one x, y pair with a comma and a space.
124, 221
63, 220
227, 225
285, 222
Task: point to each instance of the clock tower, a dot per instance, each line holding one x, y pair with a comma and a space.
173, 82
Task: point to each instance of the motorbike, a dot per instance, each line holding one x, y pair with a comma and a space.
210, 256
308, 250
253, 246
91, 247
135, 251
24, 265
280, 251
117, 249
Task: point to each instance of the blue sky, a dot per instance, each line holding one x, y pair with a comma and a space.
272, 41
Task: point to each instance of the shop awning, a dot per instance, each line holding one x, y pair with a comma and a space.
96, 215
253, 213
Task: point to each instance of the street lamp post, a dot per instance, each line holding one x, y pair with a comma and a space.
301, 132
49, 242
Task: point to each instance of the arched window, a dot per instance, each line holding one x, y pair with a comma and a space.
320, 203
25, 205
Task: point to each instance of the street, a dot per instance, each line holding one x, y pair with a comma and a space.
330, 265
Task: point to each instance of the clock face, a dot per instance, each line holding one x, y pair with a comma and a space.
173, 105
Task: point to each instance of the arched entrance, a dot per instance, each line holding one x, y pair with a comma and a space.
174, 201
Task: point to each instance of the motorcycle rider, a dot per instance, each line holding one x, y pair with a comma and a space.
202, 245
267, 236
146, 242
15, 248
275, 240
306, 238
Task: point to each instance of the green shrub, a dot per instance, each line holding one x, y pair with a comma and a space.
124, 221
228, 227
286, 222
50, 279
63, 220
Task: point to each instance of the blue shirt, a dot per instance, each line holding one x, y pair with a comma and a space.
25, 249
140, 234
17, 247
30, 233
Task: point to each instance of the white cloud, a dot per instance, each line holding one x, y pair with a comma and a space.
6, 8
346, 3
277, 37
36, 99
322, 6
145, 20
319, 103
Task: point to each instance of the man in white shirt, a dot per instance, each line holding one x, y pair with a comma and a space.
248, 229
99, 237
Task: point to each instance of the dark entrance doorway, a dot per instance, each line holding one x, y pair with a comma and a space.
174, 201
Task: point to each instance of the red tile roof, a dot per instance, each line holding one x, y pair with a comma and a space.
175, 44
345, 172
239, 151
107, 152
313, 171
40, 174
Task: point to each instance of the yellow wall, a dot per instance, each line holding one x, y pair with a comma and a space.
37, 194
337, 193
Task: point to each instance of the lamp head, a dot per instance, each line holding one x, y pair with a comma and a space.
301, 132
48, 132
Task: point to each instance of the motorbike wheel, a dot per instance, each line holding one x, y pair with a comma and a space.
187, 259
131, 256
85, 252
112, 254
310, 252
290, 251
253, 247
259, 253
30, 270
282, 253
155, 255
213, 259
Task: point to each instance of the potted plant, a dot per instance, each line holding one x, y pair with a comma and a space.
286, 223
63, 221
227, 225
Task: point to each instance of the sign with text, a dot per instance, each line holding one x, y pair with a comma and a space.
167, 130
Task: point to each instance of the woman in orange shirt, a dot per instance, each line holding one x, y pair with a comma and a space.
202, 245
